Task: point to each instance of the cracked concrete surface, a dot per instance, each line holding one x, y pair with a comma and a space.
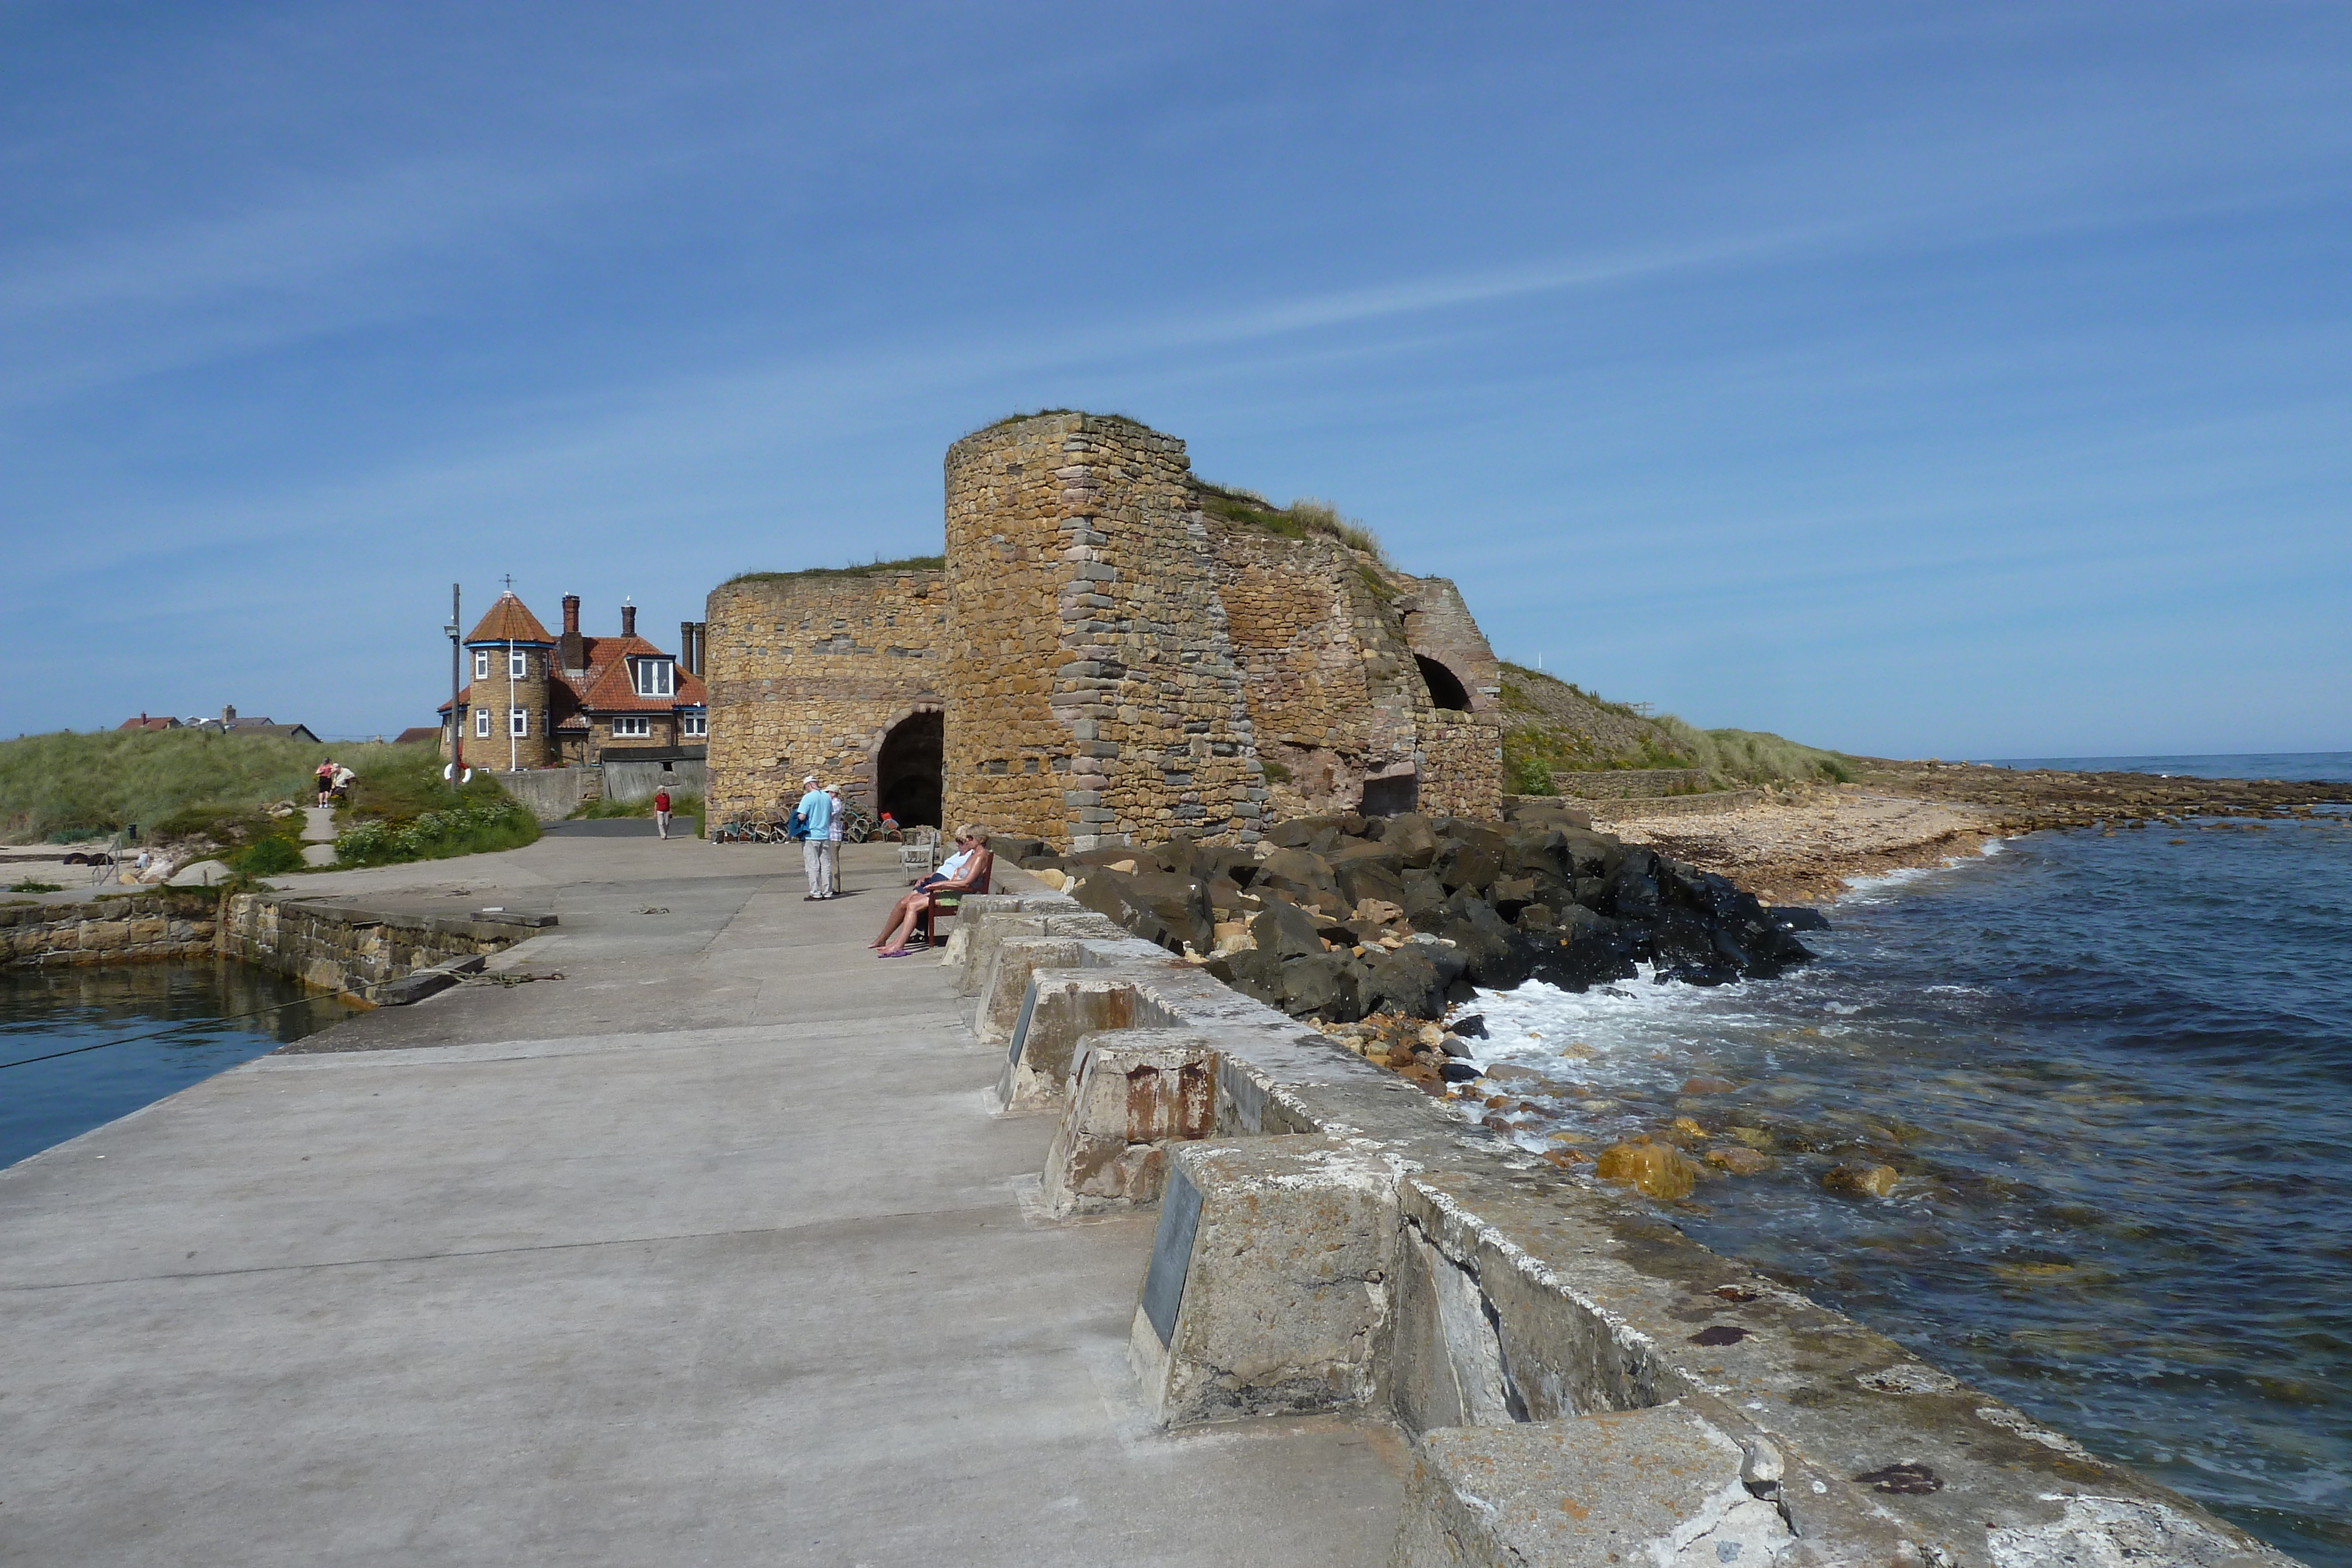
708, 1252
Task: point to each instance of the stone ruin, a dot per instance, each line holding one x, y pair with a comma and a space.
1101, 658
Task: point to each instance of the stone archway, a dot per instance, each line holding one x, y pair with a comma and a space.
1445, 687
907, 768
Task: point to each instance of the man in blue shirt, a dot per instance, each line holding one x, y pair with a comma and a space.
818, 850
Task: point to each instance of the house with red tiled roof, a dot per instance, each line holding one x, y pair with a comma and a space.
537, 700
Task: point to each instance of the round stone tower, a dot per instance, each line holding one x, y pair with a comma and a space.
1092, 693
515, 698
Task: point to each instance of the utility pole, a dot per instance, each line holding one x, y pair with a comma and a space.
455, 629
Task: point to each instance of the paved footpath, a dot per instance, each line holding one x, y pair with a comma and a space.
708, 1252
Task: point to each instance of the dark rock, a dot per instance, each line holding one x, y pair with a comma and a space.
1254, 972
1797, 917
1320, 834
1458, 1071
1360, 877
1017, 850
1287, 931
1422, 895
1534, 917
1413, 981
1303, 876
1409, 833
1471, 1026
1328, 986
1454, 1046
1632, 890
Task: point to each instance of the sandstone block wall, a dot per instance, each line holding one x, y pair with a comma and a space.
352, 951
1334, 694
1438, 625
1107, 662
1096, 694
808, 675
106, 931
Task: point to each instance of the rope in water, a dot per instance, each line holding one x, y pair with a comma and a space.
150, 1034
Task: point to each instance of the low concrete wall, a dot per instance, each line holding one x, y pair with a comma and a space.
1674, 805
630, 781
1629, 783
134, 929
1508, 1313
360, 953
550, 793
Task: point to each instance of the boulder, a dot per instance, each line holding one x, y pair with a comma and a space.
1410, 835
1797, 917
1320, 834
1657, 1169
1364, 877
1861, 1181
1287, 931
1303, 876
1413, 981
1327, 986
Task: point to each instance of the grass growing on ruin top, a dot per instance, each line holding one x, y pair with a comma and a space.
1554, 725
873, 568
1303, 517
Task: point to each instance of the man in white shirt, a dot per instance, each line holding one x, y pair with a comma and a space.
819, 852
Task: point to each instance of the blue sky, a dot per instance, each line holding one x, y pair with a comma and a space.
1962, 379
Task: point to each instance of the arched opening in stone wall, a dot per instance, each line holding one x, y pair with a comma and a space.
1446, 688
906, 770
1388, 797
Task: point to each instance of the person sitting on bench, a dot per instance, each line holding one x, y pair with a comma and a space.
966, 870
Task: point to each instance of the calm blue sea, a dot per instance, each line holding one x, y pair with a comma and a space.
155, 1028
2306, 766
2116, 1071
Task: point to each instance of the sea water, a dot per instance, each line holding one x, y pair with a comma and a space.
2114, 1072
81, 1047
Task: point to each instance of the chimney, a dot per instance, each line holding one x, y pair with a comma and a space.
689, 650
571, 652
228, 717
628, 619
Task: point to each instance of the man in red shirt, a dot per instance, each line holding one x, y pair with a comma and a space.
661, 812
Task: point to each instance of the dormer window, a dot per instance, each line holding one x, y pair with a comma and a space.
655, 677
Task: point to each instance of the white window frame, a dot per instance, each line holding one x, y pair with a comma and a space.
632, 726
655, 677
517, 721
697, 724
481, 664
518, 664
481, 723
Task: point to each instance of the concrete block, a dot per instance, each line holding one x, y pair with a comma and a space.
1133, 1092
1007, 986
1058, 1008
1661, 1487
1267, 1291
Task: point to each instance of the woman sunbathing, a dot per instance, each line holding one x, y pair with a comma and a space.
966, 870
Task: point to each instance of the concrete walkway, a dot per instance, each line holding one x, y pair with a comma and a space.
708, 1252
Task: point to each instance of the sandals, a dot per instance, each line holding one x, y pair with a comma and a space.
896, 953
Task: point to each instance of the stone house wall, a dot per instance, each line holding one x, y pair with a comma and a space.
1097, 697
1438, 625
807, 673
106, 931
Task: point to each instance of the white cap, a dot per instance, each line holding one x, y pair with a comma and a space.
810, 780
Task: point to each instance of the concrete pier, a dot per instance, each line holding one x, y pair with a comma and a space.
709, 1251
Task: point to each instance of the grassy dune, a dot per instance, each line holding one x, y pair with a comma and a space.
1553, 725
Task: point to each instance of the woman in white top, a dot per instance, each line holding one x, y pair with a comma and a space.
967, 871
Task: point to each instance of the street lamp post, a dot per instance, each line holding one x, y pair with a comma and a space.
456, 715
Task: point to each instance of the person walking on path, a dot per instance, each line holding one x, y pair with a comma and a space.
326, 773
661, 812
818, 850
833, 837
